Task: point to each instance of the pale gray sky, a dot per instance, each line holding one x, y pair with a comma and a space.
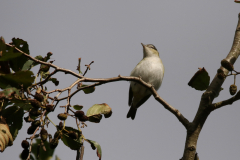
188, 34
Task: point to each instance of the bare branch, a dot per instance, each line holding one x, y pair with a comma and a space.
207, 98
101, 81
80, 153
226, 102
62, 90
173, 110
46, 79
215, 86
88, 68
79, 89
66, 71
33, 136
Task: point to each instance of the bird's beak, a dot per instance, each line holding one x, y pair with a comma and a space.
143, 45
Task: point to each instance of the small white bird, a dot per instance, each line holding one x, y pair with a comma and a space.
151, 70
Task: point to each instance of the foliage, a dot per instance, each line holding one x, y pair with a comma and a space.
200, 80
23, 95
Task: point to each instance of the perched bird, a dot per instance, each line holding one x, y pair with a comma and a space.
151, 70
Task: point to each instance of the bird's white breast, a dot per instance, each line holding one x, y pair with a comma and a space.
151, 70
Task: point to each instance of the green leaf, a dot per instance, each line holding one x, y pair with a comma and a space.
6, 52
9, 54
44, 74
14, 119
24, 104
6, 104
9, 92
27, 65
88, 90
4, 67
20, 44
43, 155
39, 57
44, 68
95, 145
47, 57
94, 113
17, 79
95, 118
200, 81
57, 158
77, 107
72, 143
54, 80
17, 63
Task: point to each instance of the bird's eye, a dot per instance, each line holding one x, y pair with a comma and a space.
152, 46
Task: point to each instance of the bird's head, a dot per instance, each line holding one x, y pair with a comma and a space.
149, 50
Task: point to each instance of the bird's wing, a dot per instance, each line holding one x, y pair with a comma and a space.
144, 99
130, 97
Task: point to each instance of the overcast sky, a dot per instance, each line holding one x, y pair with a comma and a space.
188, 34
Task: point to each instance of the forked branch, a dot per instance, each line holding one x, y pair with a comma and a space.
100, 81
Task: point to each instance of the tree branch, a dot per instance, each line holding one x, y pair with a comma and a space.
88, 68
101, 81
226, 102
46, 79
215, 86
33, 136
205, 106
66, 71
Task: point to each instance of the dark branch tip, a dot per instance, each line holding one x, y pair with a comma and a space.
238, 95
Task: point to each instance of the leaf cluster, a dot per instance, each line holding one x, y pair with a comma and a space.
23, 97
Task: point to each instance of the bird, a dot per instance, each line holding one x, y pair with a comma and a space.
151, 70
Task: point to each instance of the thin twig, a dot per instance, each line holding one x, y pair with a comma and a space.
66, 71
88, 68
101, 81
46, 79
225, 102
32, 137
234, 79
82, 152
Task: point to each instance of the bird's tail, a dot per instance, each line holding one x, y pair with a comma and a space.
132, 112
